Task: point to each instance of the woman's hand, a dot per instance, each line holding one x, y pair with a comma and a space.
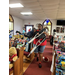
37, 33
46, 33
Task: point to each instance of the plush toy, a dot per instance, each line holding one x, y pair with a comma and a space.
12, 56
63, 72
63, 49
46, 59
58, 71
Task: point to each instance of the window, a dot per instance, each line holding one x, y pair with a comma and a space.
48, 23
11, 24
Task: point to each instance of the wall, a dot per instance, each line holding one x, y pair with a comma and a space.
34, 22
18, 24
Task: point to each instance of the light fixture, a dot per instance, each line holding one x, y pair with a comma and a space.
16, 5
26, 13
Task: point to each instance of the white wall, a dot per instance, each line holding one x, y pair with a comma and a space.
34, 22
18, 24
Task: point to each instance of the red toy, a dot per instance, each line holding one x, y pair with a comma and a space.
11, 57
46, 59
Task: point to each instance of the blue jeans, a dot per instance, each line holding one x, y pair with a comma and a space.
39, 49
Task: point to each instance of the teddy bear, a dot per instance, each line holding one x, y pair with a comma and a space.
12, 56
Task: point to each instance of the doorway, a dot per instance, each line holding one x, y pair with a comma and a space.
48, 23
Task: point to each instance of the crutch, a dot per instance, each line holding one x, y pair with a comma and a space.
37, 45
36, 36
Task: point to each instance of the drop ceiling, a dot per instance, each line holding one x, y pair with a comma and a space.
41, 9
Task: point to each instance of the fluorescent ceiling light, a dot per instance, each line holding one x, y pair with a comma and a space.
26, 13
16, 5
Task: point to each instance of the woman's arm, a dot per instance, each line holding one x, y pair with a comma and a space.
47, 34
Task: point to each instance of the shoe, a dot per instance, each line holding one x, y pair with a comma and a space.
40, 65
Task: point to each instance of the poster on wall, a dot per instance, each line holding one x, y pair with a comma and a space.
62, 30
58, 29
28, 28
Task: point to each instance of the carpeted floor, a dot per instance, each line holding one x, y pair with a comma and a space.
33, 68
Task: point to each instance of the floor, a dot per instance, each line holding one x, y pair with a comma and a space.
25, 65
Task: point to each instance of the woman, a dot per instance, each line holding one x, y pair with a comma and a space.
39, 50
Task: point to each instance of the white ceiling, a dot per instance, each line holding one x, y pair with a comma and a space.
41, 9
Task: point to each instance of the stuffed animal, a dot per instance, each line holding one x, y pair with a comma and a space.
12, 56
46, 59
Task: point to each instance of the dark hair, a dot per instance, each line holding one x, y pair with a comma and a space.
54, 30
40, 24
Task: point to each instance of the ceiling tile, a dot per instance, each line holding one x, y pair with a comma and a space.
48, 2
41, 9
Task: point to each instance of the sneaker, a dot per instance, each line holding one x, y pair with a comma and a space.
40, 65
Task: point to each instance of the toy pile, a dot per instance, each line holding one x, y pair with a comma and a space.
59, 38
60, 58
60, 63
